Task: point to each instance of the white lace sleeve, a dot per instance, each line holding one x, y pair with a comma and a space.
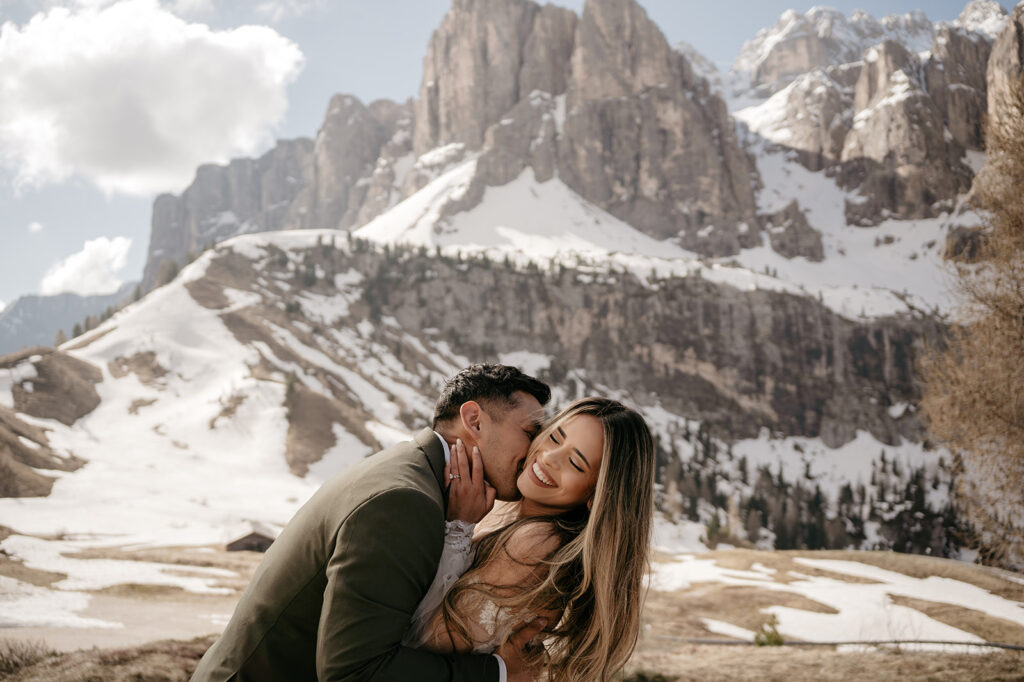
456, 557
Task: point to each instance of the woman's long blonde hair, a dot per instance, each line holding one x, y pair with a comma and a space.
595, 576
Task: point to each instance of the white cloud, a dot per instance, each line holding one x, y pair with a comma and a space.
2, 306
132, 97
35, 226
191, 7
276, 10
90, 271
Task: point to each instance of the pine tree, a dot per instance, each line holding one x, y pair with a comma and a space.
61, 338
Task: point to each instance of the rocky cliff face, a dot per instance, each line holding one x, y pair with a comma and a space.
299, 184
247, 195
898, 152
737, 361
645, 139
600, 99
483, 59
799, 43
894, 123
1007, 61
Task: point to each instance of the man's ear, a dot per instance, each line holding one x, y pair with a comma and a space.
471, 415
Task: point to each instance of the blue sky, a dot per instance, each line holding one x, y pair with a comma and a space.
75, 207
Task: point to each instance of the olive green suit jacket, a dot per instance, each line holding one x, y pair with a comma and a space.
335, 592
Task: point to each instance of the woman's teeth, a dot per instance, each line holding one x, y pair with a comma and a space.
539, 473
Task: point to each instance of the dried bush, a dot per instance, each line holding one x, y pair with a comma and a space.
16, 654
974, 387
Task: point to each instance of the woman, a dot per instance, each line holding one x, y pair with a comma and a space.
573, 550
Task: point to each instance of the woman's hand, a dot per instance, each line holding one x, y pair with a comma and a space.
470, 497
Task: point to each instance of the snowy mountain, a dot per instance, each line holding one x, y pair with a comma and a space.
277, 359
35, 320
745, 278
823, 37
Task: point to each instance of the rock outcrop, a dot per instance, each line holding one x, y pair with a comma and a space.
471, 71
799, 43
645, 139
346, 148
895, 125
954, 77
626, 123
25, 452
61, 387
812, 115
1006, 64
898, 152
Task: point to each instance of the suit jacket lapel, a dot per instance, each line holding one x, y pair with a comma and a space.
432, 448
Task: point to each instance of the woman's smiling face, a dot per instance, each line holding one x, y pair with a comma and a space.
562, 466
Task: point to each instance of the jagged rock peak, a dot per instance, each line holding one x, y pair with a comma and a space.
620, 51
987, 17
246, 195
701, 65
484, 58
347, 147
822, 37
1006, 63
645, 138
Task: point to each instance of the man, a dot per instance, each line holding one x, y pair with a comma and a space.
335, 592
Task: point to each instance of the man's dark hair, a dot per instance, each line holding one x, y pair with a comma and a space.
486, 383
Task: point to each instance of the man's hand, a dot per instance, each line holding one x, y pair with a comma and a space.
512, 651
470, 497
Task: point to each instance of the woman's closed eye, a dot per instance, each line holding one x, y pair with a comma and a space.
575, 466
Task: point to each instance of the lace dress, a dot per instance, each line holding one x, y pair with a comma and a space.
489, 625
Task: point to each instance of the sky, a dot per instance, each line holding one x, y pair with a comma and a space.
104, 104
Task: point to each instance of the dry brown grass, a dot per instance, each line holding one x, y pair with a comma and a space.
242, 563
166, 661
88, 338
989, 628
139, 403
917, 566
18, 654
786, 570
11, 568
678, 614
144, 365
761, 664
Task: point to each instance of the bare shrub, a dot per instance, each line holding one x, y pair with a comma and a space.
16, 654
974, 388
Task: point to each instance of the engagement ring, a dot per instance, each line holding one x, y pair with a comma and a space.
453, 476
